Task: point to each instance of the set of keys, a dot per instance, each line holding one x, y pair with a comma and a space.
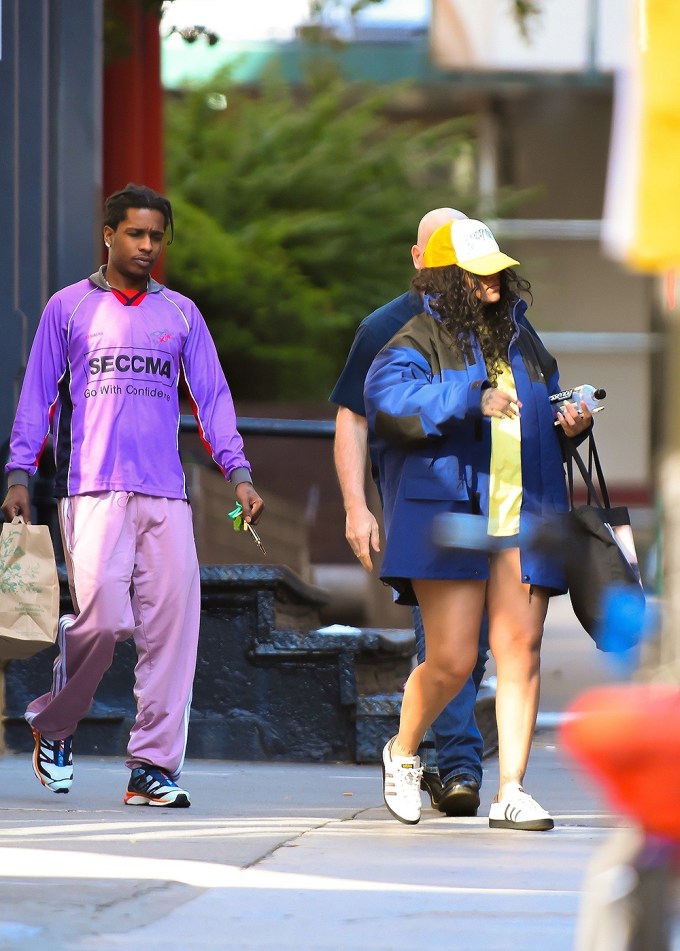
240, 525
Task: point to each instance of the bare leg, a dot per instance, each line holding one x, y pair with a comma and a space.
452, 614
516, 619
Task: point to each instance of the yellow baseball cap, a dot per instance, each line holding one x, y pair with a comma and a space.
467, 243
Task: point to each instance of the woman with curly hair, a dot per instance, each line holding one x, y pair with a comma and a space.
460, 423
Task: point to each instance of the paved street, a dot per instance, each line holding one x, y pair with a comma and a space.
281, 857
304, 857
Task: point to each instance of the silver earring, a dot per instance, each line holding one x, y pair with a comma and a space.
107, 243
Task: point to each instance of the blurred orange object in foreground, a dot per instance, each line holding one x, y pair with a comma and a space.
628, 739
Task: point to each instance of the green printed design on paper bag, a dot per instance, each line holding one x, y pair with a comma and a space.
29, 590
13, 576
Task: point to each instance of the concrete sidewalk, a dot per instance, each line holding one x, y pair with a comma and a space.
282, 857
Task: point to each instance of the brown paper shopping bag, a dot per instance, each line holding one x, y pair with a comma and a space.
29, 590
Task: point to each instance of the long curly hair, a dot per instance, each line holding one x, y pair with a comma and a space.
464, 316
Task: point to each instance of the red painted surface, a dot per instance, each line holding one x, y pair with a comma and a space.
628, 738
133, 109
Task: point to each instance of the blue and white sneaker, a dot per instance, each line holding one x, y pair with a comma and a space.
150, 786
53, 762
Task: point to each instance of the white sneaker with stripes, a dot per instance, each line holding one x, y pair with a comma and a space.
517, 810
401, 785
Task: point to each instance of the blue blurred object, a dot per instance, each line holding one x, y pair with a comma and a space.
463, 530
626, 622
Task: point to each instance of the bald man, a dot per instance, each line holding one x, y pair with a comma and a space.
453, 786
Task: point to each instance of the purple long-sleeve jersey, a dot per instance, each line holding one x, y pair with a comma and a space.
104, 377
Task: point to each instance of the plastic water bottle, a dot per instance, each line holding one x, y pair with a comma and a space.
590, 395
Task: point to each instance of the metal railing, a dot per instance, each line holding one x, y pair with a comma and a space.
254, 426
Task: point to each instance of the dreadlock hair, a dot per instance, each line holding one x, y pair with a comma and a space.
137, 196
464, 315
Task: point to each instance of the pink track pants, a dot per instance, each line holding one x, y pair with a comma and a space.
133, 572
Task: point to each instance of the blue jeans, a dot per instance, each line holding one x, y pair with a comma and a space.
457, 740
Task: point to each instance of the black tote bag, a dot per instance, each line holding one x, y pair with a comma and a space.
600, 555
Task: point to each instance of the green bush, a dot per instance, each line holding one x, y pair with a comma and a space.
296, 209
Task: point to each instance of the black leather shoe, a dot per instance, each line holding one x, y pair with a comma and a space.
459, 796
432, 785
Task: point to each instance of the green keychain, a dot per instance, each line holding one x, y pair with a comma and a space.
240, 525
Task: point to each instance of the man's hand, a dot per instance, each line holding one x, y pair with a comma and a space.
17, 502
350, 451
362, 533
252, 504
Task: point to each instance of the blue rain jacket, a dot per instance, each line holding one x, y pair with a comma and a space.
432, 447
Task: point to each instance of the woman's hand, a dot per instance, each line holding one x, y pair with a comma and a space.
574, 421
497, 403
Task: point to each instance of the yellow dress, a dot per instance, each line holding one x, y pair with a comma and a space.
505, 481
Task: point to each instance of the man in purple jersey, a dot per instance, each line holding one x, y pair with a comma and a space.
103, 376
